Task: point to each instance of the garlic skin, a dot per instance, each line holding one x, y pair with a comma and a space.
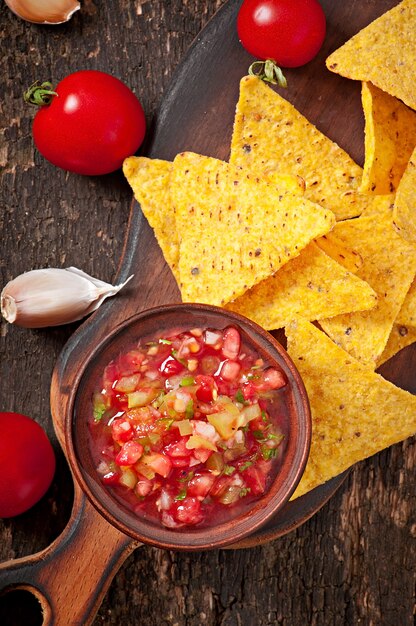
52, 297
44, 11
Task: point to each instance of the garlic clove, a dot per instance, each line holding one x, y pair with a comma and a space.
44, 11
52, 297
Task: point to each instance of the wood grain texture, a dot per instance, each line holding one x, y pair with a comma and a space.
352, 563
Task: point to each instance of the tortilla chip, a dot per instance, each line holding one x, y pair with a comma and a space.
313, 285
383, 53
355, 412
235, 229
400, 337
404, 212
333, 247
379, 205
271, 135
390, 137
389, 266
150, 179
407, 314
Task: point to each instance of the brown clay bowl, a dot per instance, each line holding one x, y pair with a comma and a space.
150, 323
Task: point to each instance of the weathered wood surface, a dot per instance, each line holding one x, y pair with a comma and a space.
354, 562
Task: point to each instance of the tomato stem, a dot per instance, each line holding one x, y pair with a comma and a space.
39, 94
268, 72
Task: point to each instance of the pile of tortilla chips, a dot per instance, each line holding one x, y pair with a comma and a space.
291, 231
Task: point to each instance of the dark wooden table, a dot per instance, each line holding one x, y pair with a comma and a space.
354, 562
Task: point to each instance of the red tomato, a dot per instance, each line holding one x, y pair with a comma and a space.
27, 463
206, 387
91, 126
290, 32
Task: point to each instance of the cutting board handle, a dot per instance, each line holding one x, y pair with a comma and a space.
72, 575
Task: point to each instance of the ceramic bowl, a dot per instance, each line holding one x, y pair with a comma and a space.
214, 535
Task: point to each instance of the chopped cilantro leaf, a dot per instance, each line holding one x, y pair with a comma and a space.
245, 466
244, 491
228, 470
165, 341
181, 495
268, 453
239, 397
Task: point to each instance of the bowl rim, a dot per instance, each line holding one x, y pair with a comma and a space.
263, 508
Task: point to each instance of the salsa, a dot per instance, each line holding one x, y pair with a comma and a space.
189, 426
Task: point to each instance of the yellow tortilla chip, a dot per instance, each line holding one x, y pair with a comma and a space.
313, 285
379, 205
383, 53
404, 212
235, 229
149, 179
390, 137
271, 135
389, 266
355, 412
407, 314
333, 247
400, 337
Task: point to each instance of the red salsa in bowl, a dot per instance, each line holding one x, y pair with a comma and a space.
189, 425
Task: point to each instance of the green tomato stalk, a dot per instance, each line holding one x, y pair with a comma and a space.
268, 72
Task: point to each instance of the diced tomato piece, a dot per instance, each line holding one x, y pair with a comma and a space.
187, 511
178, 448
202, 455
232, 343
180, 461
249, 390
159, 463
143, 487
220, 485
111, 479
170, 366
207, 388
200, 485
122, 429
130, 453
255, 480
131, 361
230, 370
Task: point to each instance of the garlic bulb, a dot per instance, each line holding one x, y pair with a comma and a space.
44, 11
52, 297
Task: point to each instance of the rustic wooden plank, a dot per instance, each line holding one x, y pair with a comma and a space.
353, 562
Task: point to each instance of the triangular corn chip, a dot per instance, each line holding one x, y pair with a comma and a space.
383, 53
400, 337
271, 135
333, 247
404, 212
149, 179
407, 314
235, 229
389, 266
379, 205
355, 412
313, 285
390, 137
